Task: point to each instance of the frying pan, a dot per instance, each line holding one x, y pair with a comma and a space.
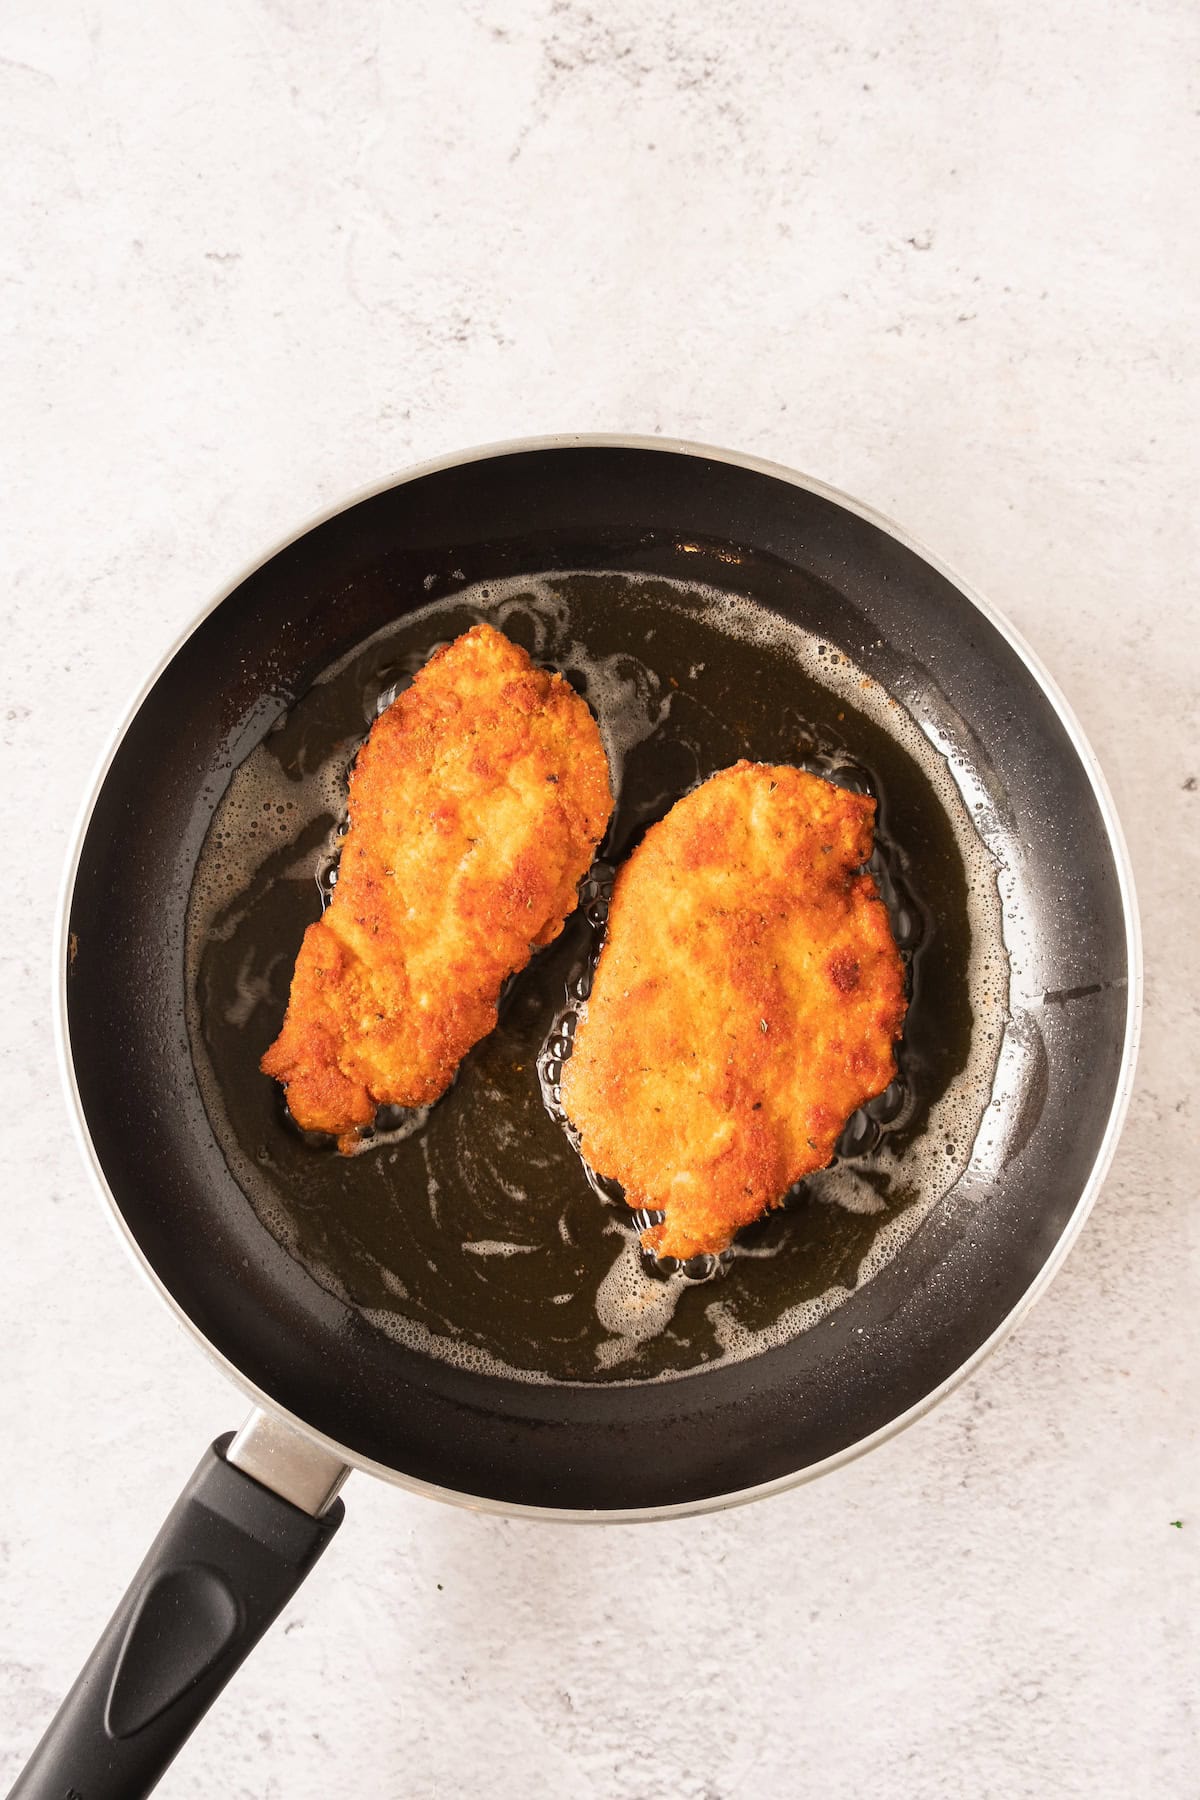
332, 1391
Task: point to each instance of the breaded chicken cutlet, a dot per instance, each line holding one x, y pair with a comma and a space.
745, 1002
476, 804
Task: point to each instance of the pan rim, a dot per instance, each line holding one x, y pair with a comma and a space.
1118, 1108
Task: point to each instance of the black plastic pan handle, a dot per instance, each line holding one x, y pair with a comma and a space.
229, 1557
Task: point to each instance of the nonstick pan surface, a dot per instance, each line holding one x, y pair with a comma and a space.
637, 1435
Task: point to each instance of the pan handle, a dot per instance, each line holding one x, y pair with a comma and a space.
229, 1557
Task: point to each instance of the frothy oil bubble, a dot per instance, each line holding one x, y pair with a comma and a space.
262, 814
497, 1247
414, 1119
294, 815
631, 1305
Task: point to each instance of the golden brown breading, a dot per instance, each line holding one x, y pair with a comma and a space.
745, 1003
476, 804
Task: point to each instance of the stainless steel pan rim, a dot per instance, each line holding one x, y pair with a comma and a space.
327, 1447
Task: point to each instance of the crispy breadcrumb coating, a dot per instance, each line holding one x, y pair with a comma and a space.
745, 1002
476, 805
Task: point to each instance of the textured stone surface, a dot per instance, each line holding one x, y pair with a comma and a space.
257, 254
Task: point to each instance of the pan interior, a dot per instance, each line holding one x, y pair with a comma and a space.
470, 1230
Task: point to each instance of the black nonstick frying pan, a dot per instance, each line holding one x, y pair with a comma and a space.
456, 1309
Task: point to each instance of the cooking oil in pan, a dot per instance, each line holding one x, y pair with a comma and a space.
471, 1229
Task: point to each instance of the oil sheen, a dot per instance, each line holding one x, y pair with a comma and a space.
471, 1230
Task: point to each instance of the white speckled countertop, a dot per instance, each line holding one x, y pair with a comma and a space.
257, 253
